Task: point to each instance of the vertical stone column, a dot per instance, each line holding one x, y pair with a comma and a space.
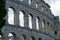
6, 37
34, 23
26, 20
46, 27
16, 18
19, 38
6, 19
28, 37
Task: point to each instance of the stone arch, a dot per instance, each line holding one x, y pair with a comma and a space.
30, 21
23, 37
11, 12
21, 18
37, 23
31, 15
13, 8
11, 36
36, 4
43, 23
23, 11
30, 2
32, 38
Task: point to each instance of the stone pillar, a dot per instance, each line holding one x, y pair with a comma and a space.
19, 36
16, 18
28, 37
34, 23
6, 19
6, 37
26, 20
46, 27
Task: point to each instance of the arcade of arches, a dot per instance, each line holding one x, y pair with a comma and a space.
11, 19
12, 36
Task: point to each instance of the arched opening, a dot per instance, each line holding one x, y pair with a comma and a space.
36, 5
21, 18
30, 1
42, 9
32, 38
12, 36
30, 21
43, 24
37, 23
11, 16
55, 32
23, 37
39, 39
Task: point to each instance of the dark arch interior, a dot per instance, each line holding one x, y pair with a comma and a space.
23, 12
33, 38
13, 37
12, 8
40, 39
24, 37
43, 20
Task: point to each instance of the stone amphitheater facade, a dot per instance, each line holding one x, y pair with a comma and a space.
46, 28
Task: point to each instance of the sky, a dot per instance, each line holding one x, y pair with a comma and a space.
55, 7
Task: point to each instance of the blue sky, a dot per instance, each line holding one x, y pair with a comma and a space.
55, 6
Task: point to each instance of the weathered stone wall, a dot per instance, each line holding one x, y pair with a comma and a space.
46, 33
19, 31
